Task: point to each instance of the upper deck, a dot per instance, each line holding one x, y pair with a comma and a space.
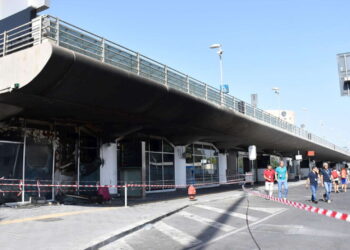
76, 39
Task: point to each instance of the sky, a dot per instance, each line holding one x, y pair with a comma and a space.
267, 43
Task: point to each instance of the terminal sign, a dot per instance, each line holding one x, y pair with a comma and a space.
310, 153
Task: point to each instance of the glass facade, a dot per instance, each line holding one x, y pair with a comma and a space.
66, 155
89, 161
38, 166
11, 169
159, 164
202, 164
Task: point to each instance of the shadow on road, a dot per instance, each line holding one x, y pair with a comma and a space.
210, 232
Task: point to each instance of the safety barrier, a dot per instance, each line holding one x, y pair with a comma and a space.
20, 186
312, 209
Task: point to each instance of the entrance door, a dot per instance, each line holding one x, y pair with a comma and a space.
246, 165
11, 170
38, 168
131, 166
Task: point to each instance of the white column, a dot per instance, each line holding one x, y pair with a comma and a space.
108, 171
180, 166
222, 168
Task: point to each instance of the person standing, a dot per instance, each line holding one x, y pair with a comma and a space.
281, 176
269, 176
335, 178
326, 182
344, 176
312, 181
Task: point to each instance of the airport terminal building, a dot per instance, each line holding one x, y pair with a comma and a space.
78, 108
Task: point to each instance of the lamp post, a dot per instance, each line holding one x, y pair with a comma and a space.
220, 52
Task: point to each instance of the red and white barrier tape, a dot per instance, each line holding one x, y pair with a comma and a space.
312, 209
38, 185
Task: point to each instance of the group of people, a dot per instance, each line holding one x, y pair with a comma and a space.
327, 178
324, 176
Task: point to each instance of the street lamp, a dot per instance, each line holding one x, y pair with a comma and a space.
220, 51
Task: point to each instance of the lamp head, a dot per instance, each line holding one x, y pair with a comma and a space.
215, 46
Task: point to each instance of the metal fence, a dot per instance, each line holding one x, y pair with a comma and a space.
74, 38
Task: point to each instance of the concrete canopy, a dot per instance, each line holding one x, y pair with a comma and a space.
59, 84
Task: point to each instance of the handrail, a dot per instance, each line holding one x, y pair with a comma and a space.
72, 37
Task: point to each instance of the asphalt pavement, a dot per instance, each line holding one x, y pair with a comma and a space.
217, 220
222, 224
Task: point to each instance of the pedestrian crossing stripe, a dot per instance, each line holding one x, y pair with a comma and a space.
210, 222
269, 210
119, 244
177, 235
222, 211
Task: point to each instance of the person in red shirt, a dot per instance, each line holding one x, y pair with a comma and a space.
269, 176
335, 178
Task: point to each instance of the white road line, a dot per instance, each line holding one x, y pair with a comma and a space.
222, 211
206, 221
203, 245
269, 210
119, 244
177, 235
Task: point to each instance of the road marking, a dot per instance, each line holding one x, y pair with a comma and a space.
207, 221
298, 230
202, 246
222, 211
269, 210
177, 235
56, 215
119, 244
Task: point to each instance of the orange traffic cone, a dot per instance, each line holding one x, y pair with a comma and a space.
192, 193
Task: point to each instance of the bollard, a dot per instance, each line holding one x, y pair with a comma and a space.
125, 194
191, 193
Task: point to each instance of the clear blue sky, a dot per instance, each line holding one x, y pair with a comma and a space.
267, 43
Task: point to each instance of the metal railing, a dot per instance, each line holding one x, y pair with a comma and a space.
74, 38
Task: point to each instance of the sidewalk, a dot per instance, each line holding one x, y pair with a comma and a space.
81, 227
89, 227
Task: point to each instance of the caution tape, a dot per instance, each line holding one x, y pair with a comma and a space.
312, 209
38, 185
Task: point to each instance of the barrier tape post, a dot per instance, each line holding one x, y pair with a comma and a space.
125, 194
38, 186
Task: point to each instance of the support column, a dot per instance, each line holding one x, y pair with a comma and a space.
222, 168
180, 166
108, 171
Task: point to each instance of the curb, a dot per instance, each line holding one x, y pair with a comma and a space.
133, 229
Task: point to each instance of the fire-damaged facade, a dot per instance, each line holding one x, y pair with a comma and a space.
78, 111
33, 152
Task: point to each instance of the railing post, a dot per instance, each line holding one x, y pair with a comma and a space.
103, 49
206, 92
138, 63
58, 31
4, 44
40, 29
125, 194
188, 84
165, 75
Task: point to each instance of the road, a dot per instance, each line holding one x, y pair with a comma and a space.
222, 224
